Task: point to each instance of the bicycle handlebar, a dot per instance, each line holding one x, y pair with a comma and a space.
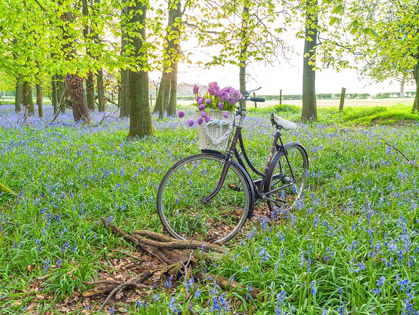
247, 98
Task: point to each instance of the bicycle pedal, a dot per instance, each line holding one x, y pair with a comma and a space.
234, 187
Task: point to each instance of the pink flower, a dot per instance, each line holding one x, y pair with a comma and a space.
200, 120
195, 89
208, 101
224, 96
220, 106
201, 107
203, 114
207, 118
225, 115
181, 113
190, 122
200, 100
232, 101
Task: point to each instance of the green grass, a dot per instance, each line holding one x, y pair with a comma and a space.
354, 115
359, 221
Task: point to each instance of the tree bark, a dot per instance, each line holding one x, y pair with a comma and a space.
174, 28
18, 95
61, 91
402, 83
123, 95
243, 50
76, 97
90, 84
39, 100
163, 94
54, 92
416, 76
25, 95
309, 110
140, 116
100, 91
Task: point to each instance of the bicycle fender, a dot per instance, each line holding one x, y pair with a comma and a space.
249, 180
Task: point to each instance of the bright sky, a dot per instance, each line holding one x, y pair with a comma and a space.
287, 77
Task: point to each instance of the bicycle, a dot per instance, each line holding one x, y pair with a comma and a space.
209, 196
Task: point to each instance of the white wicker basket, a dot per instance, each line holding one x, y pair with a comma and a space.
214, 134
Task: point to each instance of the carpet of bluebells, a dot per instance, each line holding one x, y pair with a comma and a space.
351, 247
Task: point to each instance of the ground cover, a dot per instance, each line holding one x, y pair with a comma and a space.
351, 247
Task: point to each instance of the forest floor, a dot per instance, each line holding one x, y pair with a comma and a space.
351, 247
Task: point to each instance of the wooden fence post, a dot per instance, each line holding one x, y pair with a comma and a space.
256, 105
342, 98
280, 97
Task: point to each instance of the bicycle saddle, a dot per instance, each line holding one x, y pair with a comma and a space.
282, 123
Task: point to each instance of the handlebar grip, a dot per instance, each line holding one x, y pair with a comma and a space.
257, 99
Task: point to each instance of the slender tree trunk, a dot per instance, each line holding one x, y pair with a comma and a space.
90, 91
54, 92
402, 84
100, 91
163, 94
90, 83
18, 95
174, 27
140, 116
243, 49
416, 76
123, 95
25, 95
31, 107
171, 109
39, 100
61, 92
309, 110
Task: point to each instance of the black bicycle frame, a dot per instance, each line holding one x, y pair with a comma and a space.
259, 184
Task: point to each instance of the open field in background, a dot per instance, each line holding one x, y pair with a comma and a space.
333, 103
352, 246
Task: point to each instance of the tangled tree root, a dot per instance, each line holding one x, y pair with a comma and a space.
177, 256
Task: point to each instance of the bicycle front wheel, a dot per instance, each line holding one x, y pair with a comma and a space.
288, 172
181, 210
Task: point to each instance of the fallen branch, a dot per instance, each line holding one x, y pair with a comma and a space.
5, 189
404, 155
228, 284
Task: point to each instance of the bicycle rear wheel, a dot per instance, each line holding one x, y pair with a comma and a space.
179, 205
291, 176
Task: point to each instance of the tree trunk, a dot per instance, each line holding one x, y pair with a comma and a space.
100, 91
416, 76
54, 94
18, 96
90, 84
39, 100
90, 91
25, 95
309, 110
140, 116
123, 95
31, 107
163, 94
402, 83
175, 9
77, 99
61, 92
171, 109
243, 50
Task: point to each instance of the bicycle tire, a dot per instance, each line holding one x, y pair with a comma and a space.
280, 174
179, 205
